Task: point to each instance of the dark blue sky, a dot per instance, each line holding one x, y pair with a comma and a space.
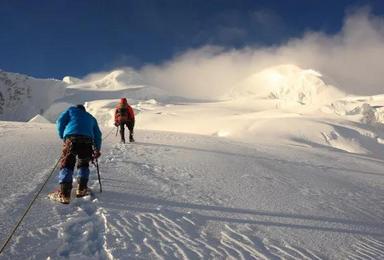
54, 38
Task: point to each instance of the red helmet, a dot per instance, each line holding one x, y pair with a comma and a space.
123, 100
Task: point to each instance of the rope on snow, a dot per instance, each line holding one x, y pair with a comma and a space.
29, 207
33, 201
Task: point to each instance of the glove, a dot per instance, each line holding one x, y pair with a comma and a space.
116, 124
96, 154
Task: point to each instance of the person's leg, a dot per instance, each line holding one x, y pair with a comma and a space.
131, 125
122, 136
67, 164
84, 157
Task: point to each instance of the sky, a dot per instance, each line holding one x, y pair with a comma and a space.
55, 38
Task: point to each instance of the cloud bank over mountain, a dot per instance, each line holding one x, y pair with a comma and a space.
352, 60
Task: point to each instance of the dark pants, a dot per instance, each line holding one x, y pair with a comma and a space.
79, 147
130, 125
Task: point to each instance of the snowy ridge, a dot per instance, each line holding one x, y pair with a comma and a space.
115, 80
23, 97
71, 80
368, 110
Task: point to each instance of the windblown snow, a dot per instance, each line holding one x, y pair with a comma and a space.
288, 83
285, 167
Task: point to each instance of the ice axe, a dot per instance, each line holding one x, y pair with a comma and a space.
98, 174
96, 163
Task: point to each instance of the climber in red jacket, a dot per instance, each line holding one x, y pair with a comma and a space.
124, 115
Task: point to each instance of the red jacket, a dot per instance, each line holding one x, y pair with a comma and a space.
124, 112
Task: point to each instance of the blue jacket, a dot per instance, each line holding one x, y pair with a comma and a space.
75, 121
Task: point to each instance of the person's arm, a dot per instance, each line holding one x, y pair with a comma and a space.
61, 123
116, 117
97, 135
131, 114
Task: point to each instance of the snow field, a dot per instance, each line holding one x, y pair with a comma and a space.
176, 196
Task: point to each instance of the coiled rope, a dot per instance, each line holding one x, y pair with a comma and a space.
33, 201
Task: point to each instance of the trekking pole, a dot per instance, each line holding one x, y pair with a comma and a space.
98, 174
96, 163
117, 130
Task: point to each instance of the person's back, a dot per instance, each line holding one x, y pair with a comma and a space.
124, 115
76, 122
124, 111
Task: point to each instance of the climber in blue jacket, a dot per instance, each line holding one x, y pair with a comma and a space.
82, 141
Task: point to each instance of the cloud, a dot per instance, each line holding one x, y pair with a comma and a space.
352, 59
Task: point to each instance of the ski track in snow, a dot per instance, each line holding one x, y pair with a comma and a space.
168, 197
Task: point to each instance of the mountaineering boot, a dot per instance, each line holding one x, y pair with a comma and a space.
63, 195
82, 189
123, 140
131, 138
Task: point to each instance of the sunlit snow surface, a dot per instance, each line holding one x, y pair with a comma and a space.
289, 172
173, 195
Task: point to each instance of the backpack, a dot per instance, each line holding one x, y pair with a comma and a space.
122, 113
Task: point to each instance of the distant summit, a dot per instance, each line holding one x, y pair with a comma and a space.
71, 80
289, 83
115, 80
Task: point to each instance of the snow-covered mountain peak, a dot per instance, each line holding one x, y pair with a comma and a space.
120, 78
115, 80
71, 80
289, 83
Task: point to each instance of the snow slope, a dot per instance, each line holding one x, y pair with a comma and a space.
183, 196
22, 97
285, 167
283, 103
